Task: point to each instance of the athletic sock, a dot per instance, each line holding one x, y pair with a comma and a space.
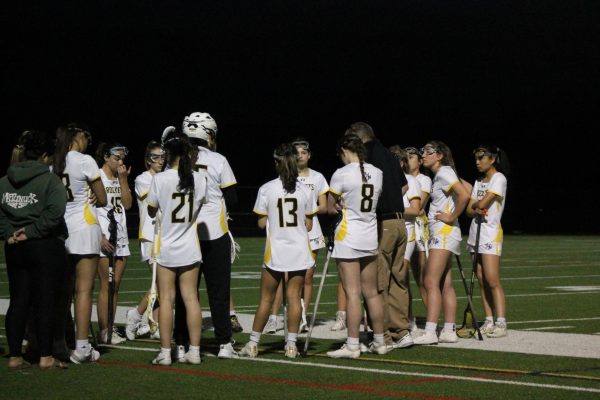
490, 319
255, 337
292, 338
273, 317
449, 326
166, 351
378, 337
231, 313
137, 314
82, 344
194, 349
430, 327
352, 343
501, 321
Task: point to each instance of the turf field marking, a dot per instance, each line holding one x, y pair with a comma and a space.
553, 320
547, 328
440, 377
281, 381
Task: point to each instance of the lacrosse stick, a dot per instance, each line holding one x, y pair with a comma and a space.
316, 306
112, 230
153, 294
467, 329
469, 301
284, 303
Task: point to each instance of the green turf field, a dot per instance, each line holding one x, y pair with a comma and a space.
552, 285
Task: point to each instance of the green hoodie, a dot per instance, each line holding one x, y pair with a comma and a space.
32, 197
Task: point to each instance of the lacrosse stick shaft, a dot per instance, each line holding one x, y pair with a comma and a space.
284, 303
112, 228
154, 259
469, 300
318, 299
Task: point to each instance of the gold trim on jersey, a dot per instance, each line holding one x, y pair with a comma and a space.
267, 256
223, 219
341, 234
88, 216
255, 211
226, 186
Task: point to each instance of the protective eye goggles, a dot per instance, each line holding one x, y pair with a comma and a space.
154, 157
480, 153
302, 143
428, 150
413, 150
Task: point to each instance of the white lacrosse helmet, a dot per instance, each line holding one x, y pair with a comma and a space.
199, 125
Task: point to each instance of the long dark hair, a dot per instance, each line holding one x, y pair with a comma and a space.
64, 137
177, 145
501, 164
401, 155
445, 151
286, 164
354, 144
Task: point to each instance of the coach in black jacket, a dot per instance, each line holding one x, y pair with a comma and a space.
393, 278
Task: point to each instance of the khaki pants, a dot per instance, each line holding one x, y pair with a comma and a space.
393, 277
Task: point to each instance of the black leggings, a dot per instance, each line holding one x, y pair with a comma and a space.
35, 268
216, 268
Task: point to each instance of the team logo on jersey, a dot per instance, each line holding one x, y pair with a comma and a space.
15, 200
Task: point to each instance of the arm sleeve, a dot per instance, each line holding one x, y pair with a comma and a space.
6, 229
498, 185
260, 206
337, 183
53, 213
90, 169
311, 203
152, 198
322, 186
227, 178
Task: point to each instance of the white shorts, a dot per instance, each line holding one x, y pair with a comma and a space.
340, 250
420, 245
410, 248
317, 243
145, 249
448, 243
487, 248
84, 241
122, 251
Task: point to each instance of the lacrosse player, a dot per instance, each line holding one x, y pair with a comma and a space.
354, 192
487, 203
153, 160
114, 175
216, 242
288, 206
448, 200
80, 173
318, 184
178, 193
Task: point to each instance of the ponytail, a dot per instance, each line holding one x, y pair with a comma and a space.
354, 144
285, 156
177, 146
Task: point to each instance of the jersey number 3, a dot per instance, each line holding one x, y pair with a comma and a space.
175, 219
289, 206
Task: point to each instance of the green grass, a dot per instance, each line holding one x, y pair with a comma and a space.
533, 268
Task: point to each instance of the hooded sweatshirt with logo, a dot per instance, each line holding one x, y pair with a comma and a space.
34, 198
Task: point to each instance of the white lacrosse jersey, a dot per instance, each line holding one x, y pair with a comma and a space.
318, 184
442, 200
79, 170
212, 220
287, 247
113, 201
358, 228
413, 192
491, 229
142, 187
178, 239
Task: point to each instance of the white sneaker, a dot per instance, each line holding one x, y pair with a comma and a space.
378, 348
114, 339
133, 323
340, 321
291, 351
87, 354
249, 350
426, 338
404, 342
487, 327
162, 359
271, 326
143, 329
344, 352
448, 337
498, 331
180, 354
363, 348
192, 358
415, 332
226, 351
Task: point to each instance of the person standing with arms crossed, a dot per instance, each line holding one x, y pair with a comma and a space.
392, 272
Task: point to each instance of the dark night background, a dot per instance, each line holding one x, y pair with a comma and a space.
523, 75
